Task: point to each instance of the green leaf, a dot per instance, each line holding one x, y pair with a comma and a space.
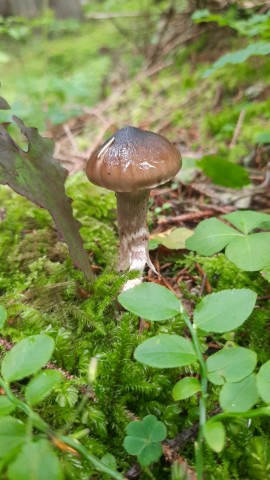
151, 301
247, 220
240, 56
143, 439
211, 236
27, 357
37, 460
136, 429
166, 351
185, 388
156, 430
173, 239
150, 454
223, 172
153, 244
109, 460
214, 434
3, 316
224, 311
250, 253
230, 364
263, 382
37, 176
12, 436
239, 396
134, 445
262, 138
40, 386
6, 406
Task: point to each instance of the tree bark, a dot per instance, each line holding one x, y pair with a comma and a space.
66, 8
24, 8
5, 9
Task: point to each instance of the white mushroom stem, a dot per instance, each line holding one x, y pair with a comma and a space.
133, 230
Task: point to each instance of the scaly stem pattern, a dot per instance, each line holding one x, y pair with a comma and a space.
133, 230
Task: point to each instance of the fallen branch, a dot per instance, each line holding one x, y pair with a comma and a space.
185, 217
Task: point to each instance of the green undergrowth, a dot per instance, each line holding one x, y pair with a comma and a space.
222, 274
43, 293
63, 72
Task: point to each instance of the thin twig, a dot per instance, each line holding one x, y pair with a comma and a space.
70, 136
186, 217
238, 128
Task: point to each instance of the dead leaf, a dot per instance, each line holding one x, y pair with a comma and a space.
174, 238
63, 446
37, 176
3, 104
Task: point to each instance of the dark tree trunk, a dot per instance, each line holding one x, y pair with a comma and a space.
25, 8
66, 8
5, 9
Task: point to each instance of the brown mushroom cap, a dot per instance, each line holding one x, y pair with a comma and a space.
133, 159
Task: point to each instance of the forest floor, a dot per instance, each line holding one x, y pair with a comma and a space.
78, 86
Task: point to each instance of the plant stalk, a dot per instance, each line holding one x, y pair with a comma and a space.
203, 399
44, 428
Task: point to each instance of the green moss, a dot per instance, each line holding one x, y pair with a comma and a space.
42, 290
223, 274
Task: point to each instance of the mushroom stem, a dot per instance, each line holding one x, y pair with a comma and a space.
133, 230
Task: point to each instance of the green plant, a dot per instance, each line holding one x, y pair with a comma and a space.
37, 176
247, 250
223, 172
144, 439
254, 25
240, 56
230, 370
31, 439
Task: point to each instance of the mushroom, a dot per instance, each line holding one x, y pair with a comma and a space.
130, 163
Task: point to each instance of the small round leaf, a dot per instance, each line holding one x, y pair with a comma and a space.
211, 236
134, 445
224, 311
214, 434
239, 396
36, 460
150, 454
27, 357
230, 364
12, 436
166, 351
247, 220
251, 252
263, 382
144, 439
185, 388
40, 386
6, 406
151, 301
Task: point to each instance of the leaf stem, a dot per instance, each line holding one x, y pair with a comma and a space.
249, 414
203, 398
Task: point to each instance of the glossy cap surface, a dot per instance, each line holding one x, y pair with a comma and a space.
133, 159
